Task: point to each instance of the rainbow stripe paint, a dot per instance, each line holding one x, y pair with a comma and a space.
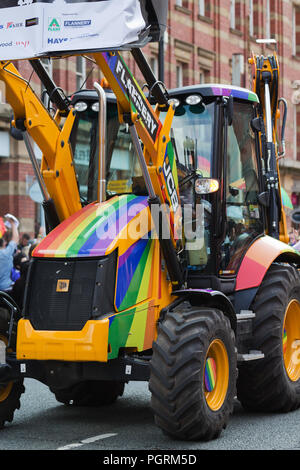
210, 374
284, 341
236, 92
258, 259
133, 328
93, 230
135, 274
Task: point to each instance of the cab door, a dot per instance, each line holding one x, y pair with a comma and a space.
244, 217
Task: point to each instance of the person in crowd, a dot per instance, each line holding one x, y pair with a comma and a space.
292, 238
8, 245
24, 244
18, 289
19, 258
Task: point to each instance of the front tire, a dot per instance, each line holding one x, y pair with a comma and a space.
272, 384
10, 392
193, 373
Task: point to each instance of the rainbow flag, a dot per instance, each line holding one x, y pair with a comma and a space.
2, 227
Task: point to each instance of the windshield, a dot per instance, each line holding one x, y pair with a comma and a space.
191, 135
84, 142
122, 167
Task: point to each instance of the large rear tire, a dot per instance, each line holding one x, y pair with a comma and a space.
10, 392
91, 393
272, 384
193, 373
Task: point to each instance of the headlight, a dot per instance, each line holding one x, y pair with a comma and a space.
95, 107
193, 99
174, 101
80, 106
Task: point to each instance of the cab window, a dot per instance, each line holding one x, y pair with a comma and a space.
243, 213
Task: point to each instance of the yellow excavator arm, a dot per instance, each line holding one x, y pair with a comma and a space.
32, 117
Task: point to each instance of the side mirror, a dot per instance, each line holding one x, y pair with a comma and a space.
256, 124
233, 191
206, 185
295, 216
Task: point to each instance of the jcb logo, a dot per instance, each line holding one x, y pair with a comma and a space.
62, 285
171, 184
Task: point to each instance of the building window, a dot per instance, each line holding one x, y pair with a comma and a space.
232, 14
296, 31
251, 18
154, 65
179, 75
80, 72
235, 14
4, 144
237, 69
203, 76
268, 20
182, 3
204, 8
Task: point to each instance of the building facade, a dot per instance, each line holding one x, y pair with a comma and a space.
205, 41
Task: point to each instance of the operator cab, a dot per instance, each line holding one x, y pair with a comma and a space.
228, 153
230, 218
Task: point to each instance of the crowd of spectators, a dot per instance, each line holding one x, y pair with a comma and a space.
294, 237
15, 254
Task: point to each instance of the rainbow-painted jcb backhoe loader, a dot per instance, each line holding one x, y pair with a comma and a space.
166, 256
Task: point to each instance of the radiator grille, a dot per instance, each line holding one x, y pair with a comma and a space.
64, 294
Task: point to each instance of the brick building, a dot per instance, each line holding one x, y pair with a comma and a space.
206, 41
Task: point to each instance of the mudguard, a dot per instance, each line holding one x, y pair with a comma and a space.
210, 298
261, 254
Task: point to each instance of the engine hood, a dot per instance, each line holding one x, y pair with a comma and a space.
97, 229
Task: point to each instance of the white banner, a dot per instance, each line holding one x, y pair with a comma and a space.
31, 28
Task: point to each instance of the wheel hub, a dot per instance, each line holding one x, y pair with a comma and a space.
291, 340
216, 375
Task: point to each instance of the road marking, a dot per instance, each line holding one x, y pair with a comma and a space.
86, 441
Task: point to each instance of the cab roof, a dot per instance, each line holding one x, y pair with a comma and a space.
206, 90
211, 90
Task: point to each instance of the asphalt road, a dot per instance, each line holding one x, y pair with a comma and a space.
44, 424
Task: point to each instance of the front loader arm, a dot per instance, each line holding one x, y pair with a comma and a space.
57, 163
157, 158
155, 136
